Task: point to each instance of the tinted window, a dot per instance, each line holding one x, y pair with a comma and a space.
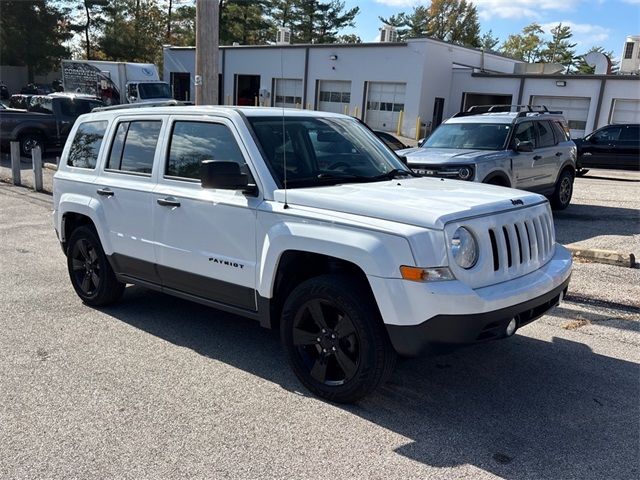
193, 142
630, 133
562, 135
545, 135
41, 105
75, 108
525, 132
608, 134
86, 145
134, 146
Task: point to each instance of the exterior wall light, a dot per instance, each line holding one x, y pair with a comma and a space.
561, 83
333, 57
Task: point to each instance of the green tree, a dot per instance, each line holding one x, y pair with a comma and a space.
525, 46
559, 49
33, 34
582, 67
349, 38
454, 21
244, 21
183, 26
488, 41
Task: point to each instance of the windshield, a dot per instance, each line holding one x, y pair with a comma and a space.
154, 90
476, 136
324, 151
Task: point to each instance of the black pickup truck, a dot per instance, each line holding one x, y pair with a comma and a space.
46, 122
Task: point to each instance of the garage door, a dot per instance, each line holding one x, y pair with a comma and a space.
384, 103
334, 96
625, 111
574, 109
288, 93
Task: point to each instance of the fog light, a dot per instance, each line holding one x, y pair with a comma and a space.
511, 328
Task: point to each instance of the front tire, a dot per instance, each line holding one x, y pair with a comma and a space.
91, 274
561, 197
335, 339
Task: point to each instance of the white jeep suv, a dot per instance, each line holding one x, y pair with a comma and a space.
307, 222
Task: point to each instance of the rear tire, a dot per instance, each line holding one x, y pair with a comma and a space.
89, 270
335, 340
561, 197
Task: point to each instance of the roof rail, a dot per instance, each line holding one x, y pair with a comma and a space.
124, 106
521, 110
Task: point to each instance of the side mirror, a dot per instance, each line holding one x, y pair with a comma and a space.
421, 141
524, 146
223, 175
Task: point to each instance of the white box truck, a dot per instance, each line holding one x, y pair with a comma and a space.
115, 82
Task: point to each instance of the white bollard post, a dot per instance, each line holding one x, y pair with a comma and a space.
36, 158
15, 163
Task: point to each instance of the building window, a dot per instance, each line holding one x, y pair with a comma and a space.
628, 50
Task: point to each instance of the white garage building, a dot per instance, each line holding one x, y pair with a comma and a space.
417, 83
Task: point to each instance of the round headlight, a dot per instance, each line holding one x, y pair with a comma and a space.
465, 173
464, 248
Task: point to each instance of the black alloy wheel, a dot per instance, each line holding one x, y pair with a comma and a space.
28, 142
325, 339
335, 339
561, 197
89, 270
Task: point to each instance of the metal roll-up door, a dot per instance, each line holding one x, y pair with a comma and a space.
574, 109
384, 103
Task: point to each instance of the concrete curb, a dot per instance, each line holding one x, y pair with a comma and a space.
604, 256
50, 166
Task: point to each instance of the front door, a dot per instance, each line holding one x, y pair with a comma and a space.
205, 239
523, 163
247, 90
181, 85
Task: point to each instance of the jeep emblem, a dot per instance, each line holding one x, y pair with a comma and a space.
516, 202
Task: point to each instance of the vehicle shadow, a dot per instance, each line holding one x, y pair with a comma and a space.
581, 222
519, 408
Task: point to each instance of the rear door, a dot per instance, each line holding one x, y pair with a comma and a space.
124, 191
205, 239
628, 147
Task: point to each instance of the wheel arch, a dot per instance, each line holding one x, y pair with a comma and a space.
77, 210
497, 176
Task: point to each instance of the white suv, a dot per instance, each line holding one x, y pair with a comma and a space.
307, 222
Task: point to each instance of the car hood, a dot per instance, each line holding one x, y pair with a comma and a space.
424, 202
433, 156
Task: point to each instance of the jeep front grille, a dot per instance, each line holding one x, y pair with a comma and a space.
512, 244
522, 242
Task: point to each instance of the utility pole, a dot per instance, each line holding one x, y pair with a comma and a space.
206, 81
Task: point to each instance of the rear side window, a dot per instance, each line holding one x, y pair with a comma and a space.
630, 133
86, 145
77, 107
193, 142
561, 132
545, 135
134, 146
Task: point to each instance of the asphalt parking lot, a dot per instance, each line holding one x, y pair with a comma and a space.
156, 387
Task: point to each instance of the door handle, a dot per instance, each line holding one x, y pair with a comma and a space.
168, 202
558, 154
537, 157
106, 192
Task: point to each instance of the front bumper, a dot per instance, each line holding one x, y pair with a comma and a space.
450, 330
418, 315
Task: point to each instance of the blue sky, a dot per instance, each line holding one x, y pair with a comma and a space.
594, 22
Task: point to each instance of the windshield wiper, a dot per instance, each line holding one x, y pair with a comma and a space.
339, 175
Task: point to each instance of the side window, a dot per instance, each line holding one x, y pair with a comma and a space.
561, 133
608, 134
134, 146
86, 144
525, 132
545, 135
193, 142
631, 133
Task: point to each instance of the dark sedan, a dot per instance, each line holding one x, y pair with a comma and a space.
612, 146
